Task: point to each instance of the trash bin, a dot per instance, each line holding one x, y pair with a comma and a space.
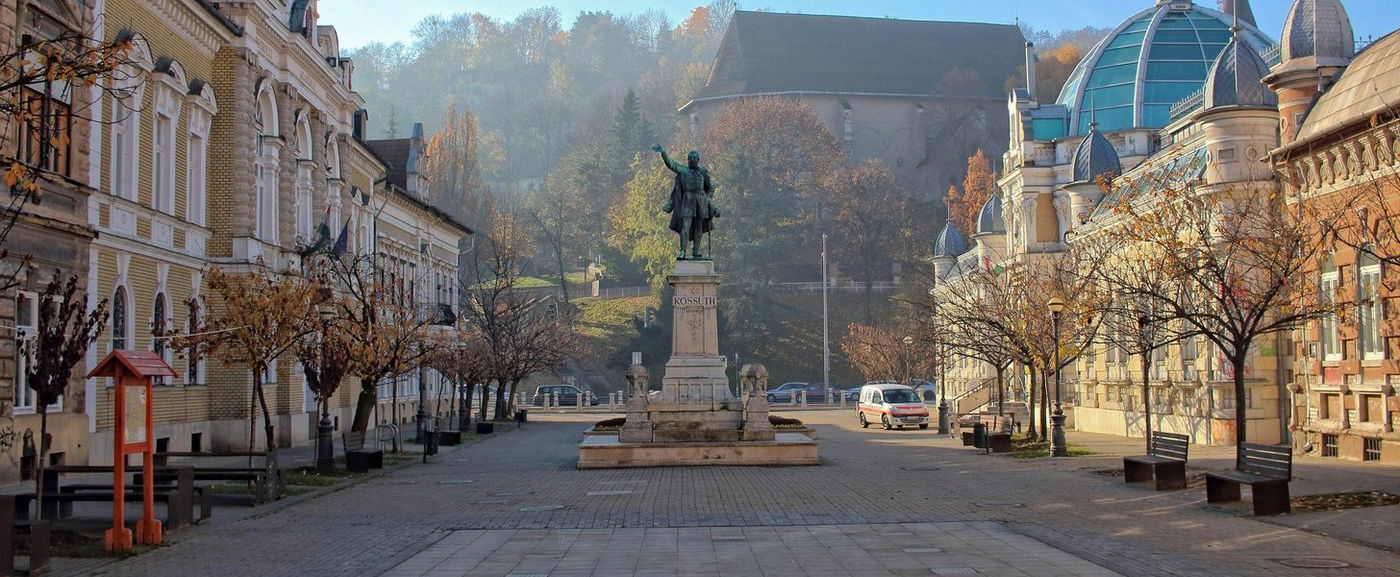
521, 415
979, 435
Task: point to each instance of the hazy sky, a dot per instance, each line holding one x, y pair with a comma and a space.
363, 21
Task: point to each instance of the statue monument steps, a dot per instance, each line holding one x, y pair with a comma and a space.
695, 419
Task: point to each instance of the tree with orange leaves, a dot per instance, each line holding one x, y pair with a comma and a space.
978, 185
254, 318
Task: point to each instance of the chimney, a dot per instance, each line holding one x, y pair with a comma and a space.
1030, 69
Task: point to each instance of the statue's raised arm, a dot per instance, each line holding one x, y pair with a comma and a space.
692, 215
671, 164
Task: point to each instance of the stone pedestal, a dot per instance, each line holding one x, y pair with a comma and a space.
695, 403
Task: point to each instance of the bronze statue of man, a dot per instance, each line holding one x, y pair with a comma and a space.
692, 213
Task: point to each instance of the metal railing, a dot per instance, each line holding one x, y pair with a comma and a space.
838, 286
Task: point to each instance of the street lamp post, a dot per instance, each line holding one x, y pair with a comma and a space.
826, 337
941, 355
325, 452
908, 342
1057, 418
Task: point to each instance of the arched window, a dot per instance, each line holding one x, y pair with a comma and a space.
195, 375
265, 176
159, 325
119, 317
1328, 283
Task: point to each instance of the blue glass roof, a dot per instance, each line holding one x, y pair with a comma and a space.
1148, 63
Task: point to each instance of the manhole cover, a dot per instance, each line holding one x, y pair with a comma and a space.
533, 508
924, 551
1002, 504
1313, 563
727, 538
456, 482
494, 502
608, 493
954, 571
920, 468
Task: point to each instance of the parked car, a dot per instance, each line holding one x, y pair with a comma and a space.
892, 405
853, 393
786, 392
564, 395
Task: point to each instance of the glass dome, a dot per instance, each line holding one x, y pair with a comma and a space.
1153, 60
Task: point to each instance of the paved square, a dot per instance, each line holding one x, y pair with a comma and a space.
884, 550
895, 503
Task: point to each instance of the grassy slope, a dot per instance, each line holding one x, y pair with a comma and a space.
792, 325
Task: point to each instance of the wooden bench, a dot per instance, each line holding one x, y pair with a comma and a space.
1267, 470
1164, 464
10, 530
266, 478
186, 502
358, 459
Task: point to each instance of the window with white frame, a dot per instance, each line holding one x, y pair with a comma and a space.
1371, 313
196, 169
1327, 291
126, 125
163, 165
26, 329
304, 211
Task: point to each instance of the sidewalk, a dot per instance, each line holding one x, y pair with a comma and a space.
1312, 475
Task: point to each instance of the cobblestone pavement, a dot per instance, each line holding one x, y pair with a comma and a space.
521, 490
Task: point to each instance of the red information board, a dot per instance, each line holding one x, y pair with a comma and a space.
132, 373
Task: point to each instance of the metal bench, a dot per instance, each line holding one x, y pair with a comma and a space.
1267, 470
358, 459
1164, 464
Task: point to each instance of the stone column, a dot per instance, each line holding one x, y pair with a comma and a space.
637, 428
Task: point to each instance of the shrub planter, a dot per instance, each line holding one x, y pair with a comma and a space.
485, 428
449, 438
597, 431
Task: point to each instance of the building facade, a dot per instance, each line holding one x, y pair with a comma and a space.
1341, 141
1174, 93
230, 140
920, 96
53, 234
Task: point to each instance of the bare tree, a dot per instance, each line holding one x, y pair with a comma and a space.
64, 335
1239, 256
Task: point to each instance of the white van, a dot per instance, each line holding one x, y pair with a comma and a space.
892, 405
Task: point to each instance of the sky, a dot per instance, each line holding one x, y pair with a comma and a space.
361, 22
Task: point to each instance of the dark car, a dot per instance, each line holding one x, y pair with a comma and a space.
787, 392
563, 396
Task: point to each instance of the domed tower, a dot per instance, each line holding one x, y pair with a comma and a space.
1095, 159
1317, 43
1150, 62
1238, 115
946, 249
990, 235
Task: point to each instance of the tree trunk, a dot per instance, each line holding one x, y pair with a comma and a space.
500, 399
43, 451
1147, 400
267, 415
253, 410
1030, 430
485, 402
464, 414
1237, 361
563, 281
364, 406
511, 403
